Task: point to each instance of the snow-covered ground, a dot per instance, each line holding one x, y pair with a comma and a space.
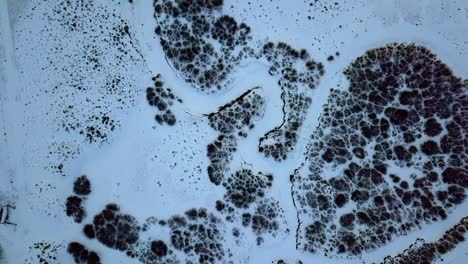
64, 66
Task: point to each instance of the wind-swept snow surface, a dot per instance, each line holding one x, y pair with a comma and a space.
211, 131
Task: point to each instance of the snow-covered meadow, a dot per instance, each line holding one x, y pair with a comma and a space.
74, 78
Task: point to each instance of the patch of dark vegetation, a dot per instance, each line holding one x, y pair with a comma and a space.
243, 187
284, 262
297, 84
75, 209
74, 206
428, 252
233, 121
154, 252
393, 145
220, 153
246, 201
200, 42
114, 229
265, 218
82, 186
122, 232
159, 248
163, 99
198, 235
206, 46
81, 255
237, 116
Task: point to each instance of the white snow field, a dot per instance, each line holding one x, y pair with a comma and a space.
234, 136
